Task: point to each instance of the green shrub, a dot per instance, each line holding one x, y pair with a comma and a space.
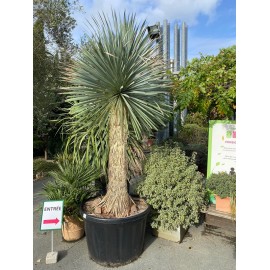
195, 139
201, 151
222, 184
196, 118
193, 134
173, 187
41, 167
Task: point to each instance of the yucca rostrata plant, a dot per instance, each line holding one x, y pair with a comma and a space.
118, 93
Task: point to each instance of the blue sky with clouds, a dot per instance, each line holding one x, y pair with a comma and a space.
211, 23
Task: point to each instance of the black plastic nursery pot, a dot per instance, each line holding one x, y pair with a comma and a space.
115, 241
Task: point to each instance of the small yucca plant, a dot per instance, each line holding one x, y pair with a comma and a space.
74, 182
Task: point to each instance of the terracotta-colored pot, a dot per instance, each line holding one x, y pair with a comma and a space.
150, 142
224, 204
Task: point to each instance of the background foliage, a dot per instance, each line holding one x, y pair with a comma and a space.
193, 137
208, 85
53, 48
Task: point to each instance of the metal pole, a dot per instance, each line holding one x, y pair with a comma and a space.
166, 39
166, 58
172, 102
176, 48
159, 41
184, 45
176, 71
52, 240
183, 60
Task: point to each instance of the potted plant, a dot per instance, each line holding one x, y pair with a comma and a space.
73, 182
118, 93
147, 143
174, 188
223, 185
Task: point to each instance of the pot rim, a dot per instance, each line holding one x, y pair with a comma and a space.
97, 219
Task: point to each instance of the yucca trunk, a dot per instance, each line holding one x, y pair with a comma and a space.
117, 200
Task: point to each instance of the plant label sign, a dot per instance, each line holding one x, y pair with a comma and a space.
52, 213
221, 146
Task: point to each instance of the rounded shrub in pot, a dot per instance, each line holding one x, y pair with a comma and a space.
174, 188
223, 185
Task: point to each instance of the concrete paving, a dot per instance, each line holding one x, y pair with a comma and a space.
201, 249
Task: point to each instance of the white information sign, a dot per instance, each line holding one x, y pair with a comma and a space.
221, 146
52, 213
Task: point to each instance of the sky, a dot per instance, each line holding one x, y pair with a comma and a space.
211, 23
